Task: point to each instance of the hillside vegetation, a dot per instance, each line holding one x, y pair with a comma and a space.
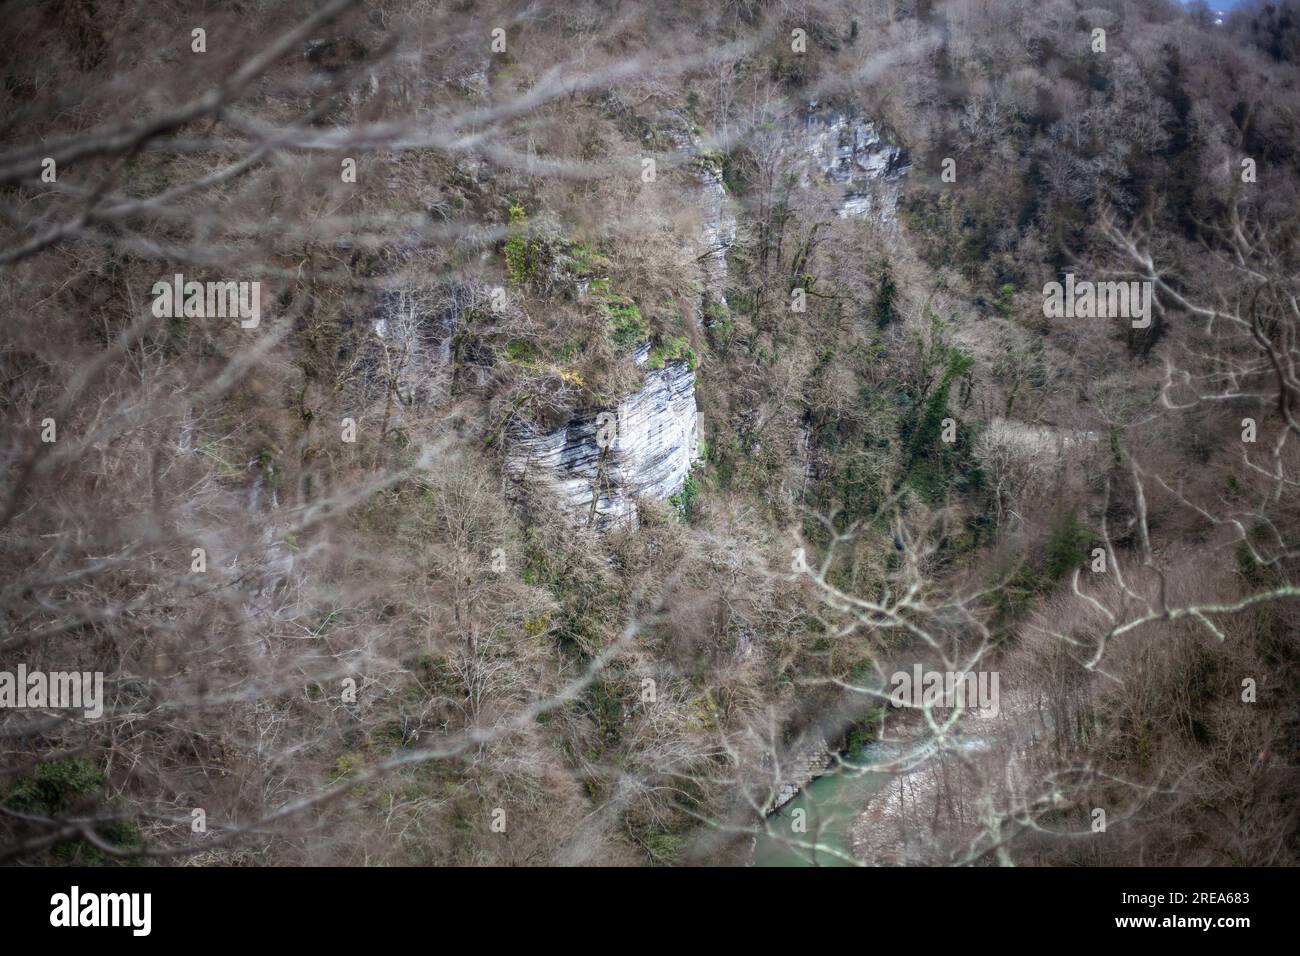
334, 628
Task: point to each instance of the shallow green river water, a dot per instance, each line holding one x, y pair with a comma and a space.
830, 804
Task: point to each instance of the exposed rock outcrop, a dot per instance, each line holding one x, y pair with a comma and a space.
653, 441
1037, 441
810, 761
717, 234
655, 430
717, 219
849, 152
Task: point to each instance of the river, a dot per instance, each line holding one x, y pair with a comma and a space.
829, 804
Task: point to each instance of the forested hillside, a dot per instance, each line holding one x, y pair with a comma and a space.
538, 433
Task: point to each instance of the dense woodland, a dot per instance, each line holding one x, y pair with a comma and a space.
395, 654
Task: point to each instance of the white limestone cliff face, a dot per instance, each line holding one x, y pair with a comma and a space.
717, 235
809, 761
848, 152
655, 434
655, 444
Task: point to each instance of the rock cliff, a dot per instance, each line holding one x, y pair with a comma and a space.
849, 152
653, 443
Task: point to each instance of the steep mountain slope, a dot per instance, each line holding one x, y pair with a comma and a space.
636, 390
